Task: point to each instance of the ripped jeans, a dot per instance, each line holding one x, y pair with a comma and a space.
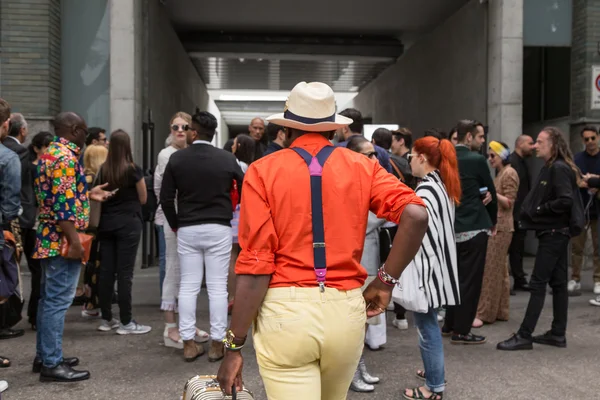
432, 349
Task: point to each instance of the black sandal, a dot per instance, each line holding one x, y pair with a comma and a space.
421, 375
418, 395
4, 362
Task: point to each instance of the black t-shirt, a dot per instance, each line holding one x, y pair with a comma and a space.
124, 205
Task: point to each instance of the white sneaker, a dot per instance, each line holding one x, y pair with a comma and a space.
401, 324
3, 386
595, 302
133, 328
89, 314
573, 286
597, 288
107, 326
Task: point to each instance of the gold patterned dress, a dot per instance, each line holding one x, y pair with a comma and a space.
495, 291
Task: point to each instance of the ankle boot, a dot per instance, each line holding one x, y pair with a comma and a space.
358, 385
368, 378
216, 351
191, 350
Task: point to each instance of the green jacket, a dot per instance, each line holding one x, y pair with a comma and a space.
471, 214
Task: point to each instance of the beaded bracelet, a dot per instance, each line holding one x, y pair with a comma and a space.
385, 277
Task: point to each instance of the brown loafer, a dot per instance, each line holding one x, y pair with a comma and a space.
191, 350
216, 351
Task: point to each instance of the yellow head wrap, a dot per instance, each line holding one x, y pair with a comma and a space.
498, 148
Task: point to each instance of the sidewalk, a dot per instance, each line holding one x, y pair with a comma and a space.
127, 367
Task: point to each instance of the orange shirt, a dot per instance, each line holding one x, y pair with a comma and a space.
275, 230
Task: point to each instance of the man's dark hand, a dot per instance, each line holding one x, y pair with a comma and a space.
99, 194
76, 251
230, 372
377, 296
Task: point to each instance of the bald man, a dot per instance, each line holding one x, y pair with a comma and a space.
523, 150
256, 130
62, 195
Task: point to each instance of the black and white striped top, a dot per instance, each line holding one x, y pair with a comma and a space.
436, 259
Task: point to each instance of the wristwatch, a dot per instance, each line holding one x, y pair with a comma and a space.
232, 342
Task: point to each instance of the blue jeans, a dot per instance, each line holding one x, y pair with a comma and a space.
432, 349
162, 255
57, 290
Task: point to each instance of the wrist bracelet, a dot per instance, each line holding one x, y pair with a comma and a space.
232, 347
385, 277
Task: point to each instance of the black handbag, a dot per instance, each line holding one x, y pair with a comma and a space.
9, 268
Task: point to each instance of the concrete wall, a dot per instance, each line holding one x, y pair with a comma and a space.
439, 80
30, 59
172, 83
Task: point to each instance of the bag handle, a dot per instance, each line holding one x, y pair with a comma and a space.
397, 170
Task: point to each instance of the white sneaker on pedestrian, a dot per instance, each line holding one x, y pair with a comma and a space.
597, 288
401, 324
3, 386
107, 326
573, 286
391, 306
595, 302
133, 328
89, 314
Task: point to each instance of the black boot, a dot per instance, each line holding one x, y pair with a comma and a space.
62, 373
551, 340
516, 342
37, 363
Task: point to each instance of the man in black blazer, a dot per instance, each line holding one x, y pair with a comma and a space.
475, 220
17, 134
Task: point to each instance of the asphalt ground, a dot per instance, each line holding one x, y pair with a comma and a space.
140, 367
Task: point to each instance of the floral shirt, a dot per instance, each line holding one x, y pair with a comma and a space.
62, 195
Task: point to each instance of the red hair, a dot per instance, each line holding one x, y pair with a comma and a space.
441, 154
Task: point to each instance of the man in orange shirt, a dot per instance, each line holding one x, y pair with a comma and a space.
302, 229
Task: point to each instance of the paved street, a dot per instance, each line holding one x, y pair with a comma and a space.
126, 367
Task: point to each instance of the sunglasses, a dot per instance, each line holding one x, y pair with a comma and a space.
176, 128
370, 155
590, 139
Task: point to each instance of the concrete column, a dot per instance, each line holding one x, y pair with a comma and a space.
505, 70
126, 33
30, 59
584, 54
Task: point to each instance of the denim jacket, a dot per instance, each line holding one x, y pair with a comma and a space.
10, 187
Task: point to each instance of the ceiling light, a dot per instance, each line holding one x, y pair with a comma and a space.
236, 97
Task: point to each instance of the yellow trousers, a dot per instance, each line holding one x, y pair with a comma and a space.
308, 343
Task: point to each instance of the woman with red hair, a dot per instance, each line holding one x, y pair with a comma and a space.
434, 161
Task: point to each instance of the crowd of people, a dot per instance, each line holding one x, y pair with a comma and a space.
296, 228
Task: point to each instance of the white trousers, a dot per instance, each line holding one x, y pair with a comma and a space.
170, 289
199, 246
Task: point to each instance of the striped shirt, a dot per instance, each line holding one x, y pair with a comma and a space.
436, 259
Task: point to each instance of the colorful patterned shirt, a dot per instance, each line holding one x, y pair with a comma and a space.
62, 195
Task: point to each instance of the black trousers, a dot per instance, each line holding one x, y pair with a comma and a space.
515, 255
118, 250
471, 263
28, 237
551, 267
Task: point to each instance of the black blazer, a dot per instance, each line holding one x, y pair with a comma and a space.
471, 214
28, 203
199, 178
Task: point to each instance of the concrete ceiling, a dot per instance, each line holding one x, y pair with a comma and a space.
272, 44
330, 17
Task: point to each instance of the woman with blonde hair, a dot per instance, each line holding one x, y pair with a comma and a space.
180, 125
93, 158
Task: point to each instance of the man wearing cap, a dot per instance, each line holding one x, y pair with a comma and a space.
299, 276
